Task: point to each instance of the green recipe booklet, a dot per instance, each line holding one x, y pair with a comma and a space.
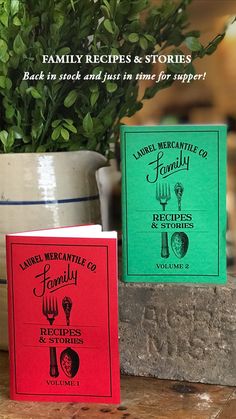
174, 203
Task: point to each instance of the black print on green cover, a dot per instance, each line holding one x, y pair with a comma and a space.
179, 189
179, 244
163, 194
164, 245
174, 203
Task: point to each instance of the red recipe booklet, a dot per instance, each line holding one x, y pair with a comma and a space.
63, 315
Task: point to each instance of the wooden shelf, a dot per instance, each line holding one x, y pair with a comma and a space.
142, 398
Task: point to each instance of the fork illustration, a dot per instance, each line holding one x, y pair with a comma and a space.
163, 194
50, 309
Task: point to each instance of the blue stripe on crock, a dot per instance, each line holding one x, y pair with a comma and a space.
3, 281
51, 201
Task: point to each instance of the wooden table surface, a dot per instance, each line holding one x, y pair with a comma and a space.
142, 398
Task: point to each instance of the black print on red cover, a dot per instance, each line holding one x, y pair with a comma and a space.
69, 361
50, 311
67, 306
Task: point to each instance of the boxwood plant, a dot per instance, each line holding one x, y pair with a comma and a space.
57, 115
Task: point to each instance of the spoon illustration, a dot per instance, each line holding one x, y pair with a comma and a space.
179, 244
70, 362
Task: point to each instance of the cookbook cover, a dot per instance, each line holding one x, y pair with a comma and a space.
174, 203
63, 323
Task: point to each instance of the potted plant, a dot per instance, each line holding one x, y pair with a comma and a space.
57, 107
43, 114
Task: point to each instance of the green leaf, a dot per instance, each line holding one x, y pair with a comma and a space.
4, 137
41, 149
175, 37
5, 58
16, 21
10, 140
34, 93
18, 132
4, 19
23, 87
193, 43
56, 133
10, 111
214, 44
105, 11
14, 60
27, 139
111, 87
169, 8
70, 128
97, 70
59, 20
93, 98
3, 82
151, 91
115, 51
209, 50
64, 51
18, 117
56, 122
70, 98
36, 130
107, 4
15, 6
175, 67
143, 43
72, 4
150, 38
108, 26
88, 123
133, 37
124, 7
19, 46
189, 69
3, 49
133, 16
194, 33
139, 5
68, 121
65, 134
93, 88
